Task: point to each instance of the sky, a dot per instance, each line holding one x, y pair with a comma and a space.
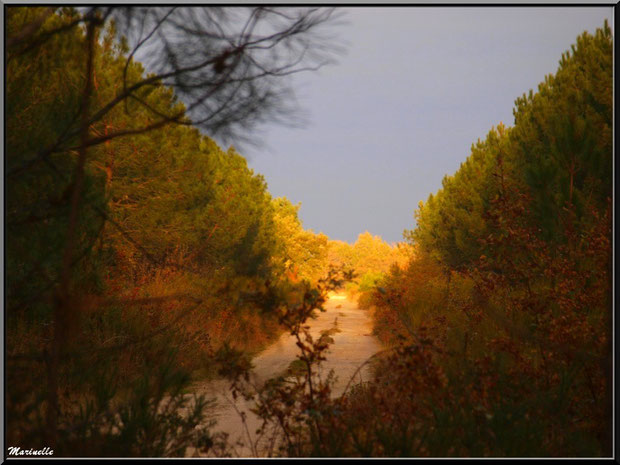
401, 109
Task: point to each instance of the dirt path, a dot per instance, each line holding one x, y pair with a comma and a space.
353, 345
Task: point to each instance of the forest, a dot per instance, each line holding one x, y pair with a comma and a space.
140, 256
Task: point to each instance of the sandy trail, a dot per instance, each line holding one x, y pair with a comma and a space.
353, 345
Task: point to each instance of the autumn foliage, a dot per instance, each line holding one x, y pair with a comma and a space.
132, 261
509, 290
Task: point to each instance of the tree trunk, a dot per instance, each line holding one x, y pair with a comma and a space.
63, 304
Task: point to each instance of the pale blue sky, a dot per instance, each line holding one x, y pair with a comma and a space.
401, 109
